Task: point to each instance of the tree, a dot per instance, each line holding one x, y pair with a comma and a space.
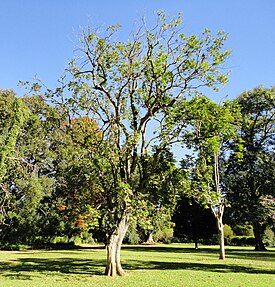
248, 182
13, 116
193, 221
26, 159
128, 89
211, 126
162, 185
77, 197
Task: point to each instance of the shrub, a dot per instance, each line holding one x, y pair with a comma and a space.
243, 241
243, 230
165, 235
132, 236
228, 234
269, 237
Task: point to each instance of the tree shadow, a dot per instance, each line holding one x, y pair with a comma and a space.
26, 268
208, 267
252, 255
232, 252
20, 269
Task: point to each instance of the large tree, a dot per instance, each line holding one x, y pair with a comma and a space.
250, 181
129, 88
14, 115
25, 164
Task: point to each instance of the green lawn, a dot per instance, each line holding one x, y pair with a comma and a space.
159, 265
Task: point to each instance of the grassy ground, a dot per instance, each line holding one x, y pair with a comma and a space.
175, 265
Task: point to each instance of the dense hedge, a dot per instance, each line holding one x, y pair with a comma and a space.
242, 241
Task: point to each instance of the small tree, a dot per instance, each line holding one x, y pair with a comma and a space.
211, 126
129, 88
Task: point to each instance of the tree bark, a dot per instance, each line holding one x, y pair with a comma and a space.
150, 239
114, 243
259, 245
221, 238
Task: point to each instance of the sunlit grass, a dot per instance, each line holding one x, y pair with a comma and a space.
159, 265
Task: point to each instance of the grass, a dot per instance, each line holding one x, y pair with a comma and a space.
175, 265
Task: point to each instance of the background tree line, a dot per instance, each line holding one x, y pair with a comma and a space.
47, 178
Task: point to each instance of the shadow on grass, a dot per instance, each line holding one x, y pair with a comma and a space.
26, 268
232, 252
219, 268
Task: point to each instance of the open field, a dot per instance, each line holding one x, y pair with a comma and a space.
158, 265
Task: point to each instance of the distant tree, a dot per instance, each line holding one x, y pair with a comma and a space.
251, 181
193, 221
162, 184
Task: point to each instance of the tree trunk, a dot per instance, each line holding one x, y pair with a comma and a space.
150, 239
114, 243
219, 210
259, 245
196, 242
221, 237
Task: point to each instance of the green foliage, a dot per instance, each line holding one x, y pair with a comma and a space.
228, 232
132, 235
27, 160
243, 230
250, 182
210, 128
269, 237
242, 241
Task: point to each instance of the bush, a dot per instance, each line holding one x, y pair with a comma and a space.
228, 234
212, 241
132, 236
243, 230
242, 241
269, 237
165, 235
14, 247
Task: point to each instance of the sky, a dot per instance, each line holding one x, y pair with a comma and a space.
38, 37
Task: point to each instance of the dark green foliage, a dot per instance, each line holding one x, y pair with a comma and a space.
250, 182
193, 222
242, 241
27, 165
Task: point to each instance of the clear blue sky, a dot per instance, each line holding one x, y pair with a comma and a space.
38, 36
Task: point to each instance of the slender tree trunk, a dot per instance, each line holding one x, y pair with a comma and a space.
259, 245
221, 237
196, 242
114, 243
219, 211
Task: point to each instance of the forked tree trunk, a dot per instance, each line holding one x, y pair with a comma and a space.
259, 245
219, 211
114, 243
